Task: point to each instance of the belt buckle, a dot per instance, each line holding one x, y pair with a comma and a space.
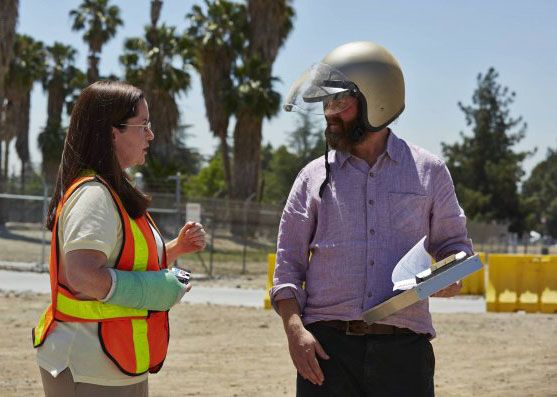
348, 332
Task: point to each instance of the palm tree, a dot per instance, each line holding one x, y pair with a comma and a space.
100, 22
218, 37
151, 63
269, 26
8, 19
61, 81
27, 66
256, 99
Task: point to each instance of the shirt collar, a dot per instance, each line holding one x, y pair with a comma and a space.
394, 147
341, 157
394, 150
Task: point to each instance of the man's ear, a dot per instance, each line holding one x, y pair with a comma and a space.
114, 132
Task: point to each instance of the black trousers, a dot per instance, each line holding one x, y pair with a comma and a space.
371, 365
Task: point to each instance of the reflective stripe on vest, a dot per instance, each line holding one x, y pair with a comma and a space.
141, 250
40, 329
94, 310
136, 340
140, 345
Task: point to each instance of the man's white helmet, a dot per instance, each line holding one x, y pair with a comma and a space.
362, 69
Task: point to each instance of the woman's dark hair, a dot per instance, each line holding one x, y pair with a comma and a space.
89, 146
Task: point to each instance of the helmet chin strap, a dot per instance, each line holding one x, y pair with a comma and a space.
327, 171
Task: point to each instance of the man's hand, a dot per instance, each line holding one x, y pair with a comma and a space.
450, 291
304, 349
303, 346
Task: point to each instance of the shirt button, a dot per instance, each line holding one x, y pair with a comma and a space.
371, 263
372, 231
369, 294
372, 174
371, 202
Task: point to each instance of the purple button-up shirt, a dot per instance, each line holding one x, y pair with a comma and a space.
345, 245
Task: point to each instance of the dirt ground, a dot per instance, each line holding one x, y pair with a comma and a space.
225, 351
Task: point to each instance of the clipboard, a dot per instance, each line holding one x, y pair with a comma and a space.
445, 274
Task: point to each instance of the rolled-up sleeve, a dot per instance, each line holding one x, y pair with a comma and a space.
447, 220
296, 230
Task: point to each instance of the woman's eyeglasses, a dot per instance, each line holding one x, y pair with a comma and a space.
146, 127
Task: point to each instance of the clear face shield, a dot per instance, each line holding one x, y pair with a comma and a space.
321, 90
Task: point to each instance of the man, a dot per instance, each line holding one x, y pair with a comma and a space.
349, 218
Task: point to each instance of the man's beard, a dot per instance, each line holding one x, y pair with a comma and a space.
347, 135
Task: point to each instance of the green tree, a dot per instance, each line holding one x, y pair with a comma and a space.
269, 24
151, 63
278, 178
209, 182
62, 82
100, 21
307, 140
485, 168
280, 167
27, 66
539, 194
218, 35
181, 159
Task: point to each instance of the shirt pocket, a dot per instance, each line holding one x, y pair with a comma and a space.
408, 212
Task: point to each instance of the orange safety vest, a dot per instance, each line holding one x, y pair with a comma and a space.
136, 340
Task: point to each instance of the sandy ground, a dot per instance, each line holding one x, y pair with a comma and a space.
224, 351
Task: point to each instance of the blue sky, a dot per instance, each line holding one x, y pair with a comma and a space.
441, 46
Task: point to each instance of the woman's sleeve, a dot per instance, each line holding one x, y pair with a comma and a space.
89, 220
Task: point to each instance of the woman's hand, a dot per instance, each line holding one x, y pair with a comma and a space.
191, 238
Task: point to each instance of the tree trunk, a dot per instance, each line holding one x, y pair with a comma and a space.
22, 139
225, 155
56, 99
245, 177
93, 69
8, 21
247, 153
50, 172
156, 6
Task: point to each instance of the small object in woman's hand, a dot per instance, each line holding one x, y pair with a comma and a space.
182, 275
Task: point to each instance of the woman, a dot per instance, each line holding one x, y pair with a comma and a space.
107, 326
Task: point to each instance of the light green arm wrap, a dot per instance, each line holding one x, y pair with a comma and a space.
146, 290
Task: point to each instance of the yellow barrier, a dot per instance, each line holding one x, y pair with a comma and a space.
548, 273
271, 259
522, 282
474, 284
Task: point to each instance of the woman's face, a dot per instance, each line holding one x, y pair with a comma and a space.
132, 140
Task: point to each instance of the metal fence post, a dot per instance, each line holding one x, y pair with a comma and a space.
213, 231
42, 264
244, 250
177, 197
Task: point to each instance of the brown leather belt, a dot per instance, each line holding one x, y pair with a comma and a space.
359, 327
